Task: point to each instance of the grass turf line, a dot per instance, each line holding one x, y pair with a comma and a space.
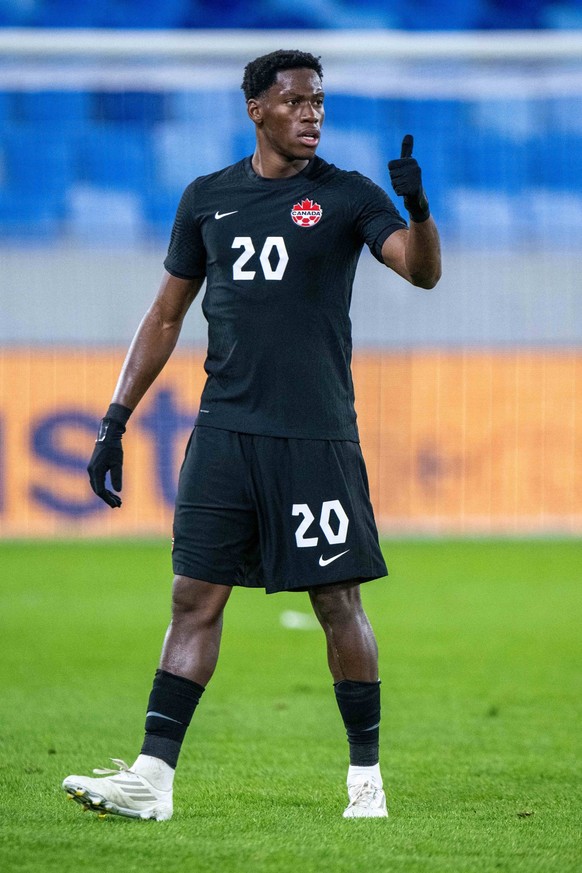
481, 751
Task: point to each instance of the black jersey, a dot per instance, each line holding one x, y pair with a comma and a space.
280, 257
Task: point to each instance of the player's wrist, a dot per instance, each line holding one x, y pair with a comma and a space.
118, 413
417, 207
112, 425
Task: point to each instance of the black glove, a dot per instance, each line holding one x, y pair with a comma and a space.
406, 180
108, 454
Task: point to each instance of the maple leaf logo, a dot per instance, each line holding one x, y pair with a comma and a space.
307, 213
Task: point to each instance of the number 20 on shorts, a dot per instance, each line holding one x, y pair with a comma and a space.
329, 508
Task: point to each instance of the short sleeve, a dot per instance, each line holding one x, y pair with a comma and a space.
186, 256
376, 215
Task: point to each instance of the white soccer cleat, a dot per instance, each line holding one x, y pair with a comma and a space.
124, 793
367, 800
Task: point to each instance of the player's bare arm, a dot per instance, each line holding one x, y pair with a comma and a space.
414, 253
155, 338
152, 345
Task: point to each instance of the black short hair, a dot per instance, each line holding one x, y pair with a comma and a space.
261, 73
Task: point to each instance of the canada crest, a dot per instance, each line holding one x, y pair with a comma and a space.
306, 213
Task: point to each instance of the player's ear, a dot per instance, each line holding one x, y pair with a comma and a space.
254, 111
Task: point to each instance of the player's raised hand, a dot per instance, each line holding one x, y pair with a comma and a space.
107, 455
406, 178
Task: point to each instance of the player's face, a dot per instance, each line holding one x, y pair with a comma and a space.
290, 114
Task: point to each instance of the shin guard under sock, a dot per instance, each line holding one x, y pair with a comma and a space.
359, 705
170, 709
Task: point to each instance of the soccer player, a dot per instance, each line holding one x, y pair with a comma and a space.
273, 490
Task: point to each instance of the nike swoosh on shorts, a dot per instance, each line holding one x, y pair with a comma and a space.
219, 215
323, 562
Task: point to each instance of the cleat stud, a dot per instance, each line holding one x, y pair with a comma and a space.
79, 792
102, 815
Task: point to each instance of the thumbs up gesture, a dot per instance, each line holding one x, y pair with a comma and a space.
406, 179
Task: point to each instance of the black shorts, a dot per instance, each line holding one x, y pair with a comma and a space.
274, 513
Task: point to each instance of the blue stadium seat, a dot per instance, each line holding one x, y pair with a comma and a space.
37, 167
244, 142
511, 14
14, 13
313, 14
242, 14
390, 118
354, 150
515, 118
26, 216
144, 107
5, 109
38, 162
439, 14
115, 156
184, 150
104, 216
556, 217
146, 13
67, 13
558, 161
222, 107
353, 112
159, 213
564, 113
202, 135
58, 107
433, 118
496, 162
480, 217
562, 16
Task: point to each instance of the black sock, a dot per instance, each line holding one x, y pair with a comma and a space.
359, 705
170, 709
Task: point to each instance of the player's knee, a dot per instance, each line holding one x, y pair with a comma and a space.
336, 604
197, 601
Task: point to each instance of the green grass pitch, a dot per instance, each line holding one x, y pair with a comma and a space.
481, 735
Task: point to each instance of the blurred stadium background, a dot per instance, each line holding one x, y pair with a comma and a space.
469, 398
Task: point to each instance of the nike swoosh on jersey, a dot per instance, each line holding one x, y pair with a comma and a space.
323, 562
219, 215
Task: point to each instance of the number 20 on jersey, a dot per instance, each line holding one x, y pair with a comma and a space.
271, 273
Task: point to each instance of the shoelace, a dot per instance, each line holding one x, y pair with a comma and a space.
106, 771
366, 793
